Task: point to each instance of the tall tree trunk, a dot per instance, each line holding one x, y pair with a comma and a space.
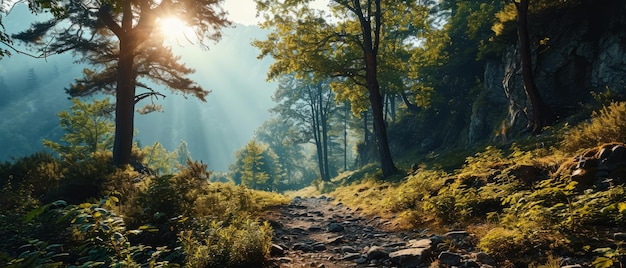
319, 149
124, 104
370, 51
129, 38
345, 137
364, 153
366, 130
317, 132
324, 125
540, 113
390, 107
380, 130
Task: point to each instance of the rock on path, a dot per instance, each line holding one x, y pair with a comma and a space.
315, 232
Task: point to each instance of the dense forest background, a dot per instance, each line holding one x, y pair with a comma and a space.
492, 116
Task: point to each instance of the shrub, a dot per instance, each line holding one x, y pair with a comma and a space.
214, 222
236, 243
410, 194
606, 125
453, 204
500, 242
27, 179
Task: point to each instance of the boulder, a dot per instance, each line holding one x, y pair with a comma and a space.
376, 252
483, 258
449, 258
411, 257
422, 243
335, 227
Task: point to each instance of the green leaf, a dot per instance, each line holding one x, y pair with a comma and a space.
34, 213
25, 254
59, 203
80, 218
621, 207
602, 262
134, 232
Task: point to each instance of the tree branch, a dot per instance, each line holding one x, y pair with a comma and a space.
104, 14
146, 95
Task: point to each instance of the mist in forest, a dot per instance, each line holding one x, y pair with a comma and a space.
32, 93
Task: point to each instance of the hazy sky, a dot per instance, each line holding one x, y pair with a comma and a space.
244, 11
241, 11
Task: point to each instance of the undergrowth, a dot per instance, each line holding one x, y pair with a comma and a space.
525, 193
124, 218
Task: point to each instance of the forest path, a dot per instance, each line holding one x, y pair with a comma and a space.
316, 232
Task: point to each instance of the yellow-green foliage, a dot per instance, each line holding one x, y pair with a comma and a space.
243, 243
519, 246
606, 125
365, 196
222, 199
482, 164
215, 222
411, 193
189, 194
501, 242
558, 206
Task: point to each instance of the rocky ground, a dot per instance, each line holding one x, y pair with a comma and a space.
317, 232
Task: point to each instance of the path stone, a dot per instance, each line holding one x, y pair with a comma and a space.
348, 249
449, 258
411, 257
376, 252
277, 250
313, 232
335, 227
422, 243
484, 258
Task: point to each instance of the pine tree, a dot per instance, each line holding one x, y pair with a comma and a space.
120, 39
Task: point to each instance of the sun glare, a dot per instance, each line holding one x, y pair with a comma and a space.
175, 31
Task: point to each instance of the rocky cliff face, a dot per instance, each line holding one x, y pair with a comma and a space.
577, 51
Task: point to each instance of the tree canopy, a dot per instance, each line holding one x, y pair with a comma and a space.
353, 44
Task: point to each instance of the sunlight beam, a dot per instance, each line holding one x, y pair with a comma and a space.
174, 31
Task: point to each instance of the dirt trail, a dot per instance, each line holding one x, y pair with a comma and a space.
317, 232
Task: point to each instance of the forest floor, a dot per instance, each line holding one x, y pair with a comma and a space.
318, 232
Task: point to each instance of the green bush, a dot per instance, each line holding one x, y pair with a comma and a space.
27, 180
606, 125
232, 243
410, 194
502, 244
